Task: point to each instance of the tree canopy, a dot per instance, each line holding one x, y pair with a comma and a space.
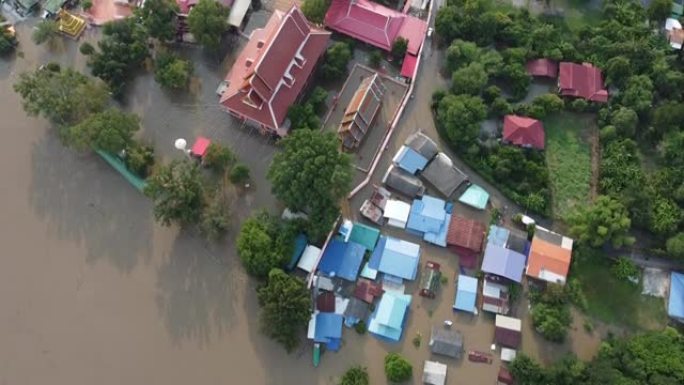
286, 308
265, 242
63, 96
470, 79
605, 221
207, 22
399, 47
335, 62
110, 130
356, 375
45, 31
178, 192
315, 10
171, 71
397, 368
7, 39
159, 18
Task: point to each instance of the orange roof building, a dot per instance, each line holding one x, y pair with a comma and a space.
550, 256
361, 112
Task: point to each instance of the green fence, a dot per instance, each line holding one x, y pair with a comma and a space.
120, 166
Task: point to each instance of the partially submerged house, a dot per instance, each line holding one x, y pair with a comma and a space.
466, 294
495, 296
430, 280
523, 132
465, 238
409, 160
367, 290
550, 256
360, 114
356, 311
546, 68
443, 175
398, 258
582, 81
299, 247
272, 70
503, 262
403, 182
328, 330
429, 218
422, 144
397, 213
387, 322
434, 373
508, 331
365, 236
475, 197
675, 303
24, 7
446, 342
342, 260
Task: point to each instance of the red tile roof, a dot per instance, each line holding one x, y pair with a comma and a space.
582, 81
524, 132
409, 66
542, 67
272, 69
375, 24
507, 337
367, 290
466, 233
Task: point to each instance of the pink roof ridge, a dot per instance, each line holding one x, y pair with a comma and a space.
543, 67
582, 81
523, 131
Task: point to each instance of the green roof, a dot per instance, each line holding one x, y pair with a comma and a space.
365, 236
52, 6
475, 196
677, 9
27, 4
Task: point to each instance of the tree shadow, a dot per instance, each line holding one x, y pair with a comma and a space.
196, 289
83, 199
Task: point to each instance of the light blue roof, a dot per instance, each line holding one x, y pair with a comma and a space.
388, 319
498, 235
439, 238
410, 160
675, 305
364, 235
503, 262
376, 256
342, 259
427, 215
466, 293
400, 258
475, 196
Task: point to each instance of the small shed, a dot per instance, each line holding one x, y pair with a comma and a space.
429, 282
507, 355
371, 212
434, 373
397, 213
466, 294
356, 311
446, 342
403, 182
475, 196
409, 160
422, 144
507, 331
200, 147
443, 175
309, 257
325, 302
543, 67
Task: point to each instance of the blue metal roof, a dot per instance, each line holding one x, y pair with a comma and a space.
388, 319
376, 256
342, 259
498, 235
675, 305
503, 262
439, 238
466, 293
329, 329
475, 196
427, 215
400, 258
410, 160
300, 245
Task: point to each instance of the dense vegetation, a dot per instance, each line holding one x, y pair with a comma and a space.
356, 375
489, 45
208, 21
265, 242
397, 368
655, 358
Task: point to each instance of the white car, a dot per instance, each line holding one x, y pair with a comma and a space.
429, 32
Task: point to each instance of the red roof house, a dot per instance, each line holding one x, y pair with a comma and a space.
582, 81
367, 290
273, 69
465, 237
543, 67
375, 24
524, 132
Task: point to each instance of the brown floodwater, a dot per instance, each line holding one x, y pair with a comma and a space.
94, 291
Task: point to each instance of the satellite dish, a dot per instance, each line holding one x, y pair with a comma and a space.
180, 144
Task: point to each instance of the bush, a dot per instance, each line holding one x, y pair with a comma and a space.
360, 327
140, 159
87, 4
500, 107
356, 375
624, 269
172, 72
374, 59
218, 157
397, 369
675, 246
239, 174
214, 219
579, 105
399, 47
317, 99
86, 49
491, 93
607, 134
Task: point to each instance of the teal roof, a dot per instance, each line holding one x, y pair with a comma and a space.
388, 319
475, 196
677, 9
27, 4
53, 6
365, 236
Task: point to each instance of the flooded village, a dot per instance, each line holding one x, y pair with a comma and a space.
428, 258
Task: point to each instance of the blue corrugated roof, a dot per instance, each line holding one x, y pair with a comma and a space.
388, 319
475, 196
342, 259
503, 262
364, 235
466, 293
498, 235
400, 258
376, 256
675, 305
329, 329
439, 238
300, 245
427, 215
410, 160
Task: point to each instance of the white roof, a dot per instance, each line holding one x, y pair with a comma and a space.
238, 11
323, 283
491, 289
434, 373
369, 273
507, 355
672, 23
508, 323
398, 210
311, 331
341, 304
309, 258
550, 276
403, 247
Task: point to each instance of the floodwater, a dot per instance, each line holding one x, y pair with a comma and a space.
94, 291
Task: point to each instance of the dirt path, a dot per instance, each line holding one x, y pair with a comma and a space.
595, 162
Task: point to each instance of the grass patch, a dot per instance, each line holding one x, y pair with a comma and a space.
616, 301
568, 157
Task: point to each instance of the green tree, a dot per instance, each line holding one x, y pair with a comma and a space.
207, 22
311, 175
526, 371
178, 192
45, 31
303, 116
336, 59
460, 116
264, 243
159, 18
110, 130
549, 103
638, 94
139, 159
86, 49
315, 10
214, 218
86, 4
399, 47
286, 308
63, 96
606, 220
665, 217
239, 174
675, 246
317, 99
397, 368
625, 269
460, 54
172, 71
659, 10
122, 50
470, 79
375, 59
625, 121
618, 70
7, 39
356, 375
219, 157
